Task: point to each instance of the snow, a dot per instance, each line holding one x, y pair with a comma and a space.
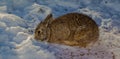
19, 18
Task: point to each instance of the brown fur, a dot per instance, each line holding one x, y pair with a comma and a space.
73, 29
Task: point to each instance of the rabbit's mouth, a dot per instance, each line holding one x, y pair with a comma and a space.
44, 39
39, 39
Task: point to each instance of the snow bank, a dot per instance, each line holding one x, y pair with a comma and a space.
15, 41
35, 13
18, 19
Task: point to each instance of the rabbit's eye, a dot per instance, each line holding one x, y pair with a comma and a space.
38, 32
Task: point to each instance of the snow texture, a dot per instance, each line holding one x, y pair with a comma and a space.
19, 18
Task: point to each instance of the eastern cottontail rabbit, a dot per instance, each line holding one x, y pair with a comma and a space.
73, 29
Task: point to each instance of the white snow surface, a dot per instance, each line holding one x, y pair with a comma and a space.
19, 18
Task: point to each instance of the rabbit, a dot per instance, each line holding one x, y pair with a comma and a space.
72, 29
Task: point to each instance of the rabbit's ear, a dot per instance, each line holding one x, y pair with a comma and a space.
48, 19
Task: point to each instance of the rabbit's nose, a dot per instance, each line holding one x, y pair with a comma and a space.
36, 38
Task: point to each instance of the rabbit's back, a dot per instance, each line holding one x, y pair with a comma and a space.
73, 29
